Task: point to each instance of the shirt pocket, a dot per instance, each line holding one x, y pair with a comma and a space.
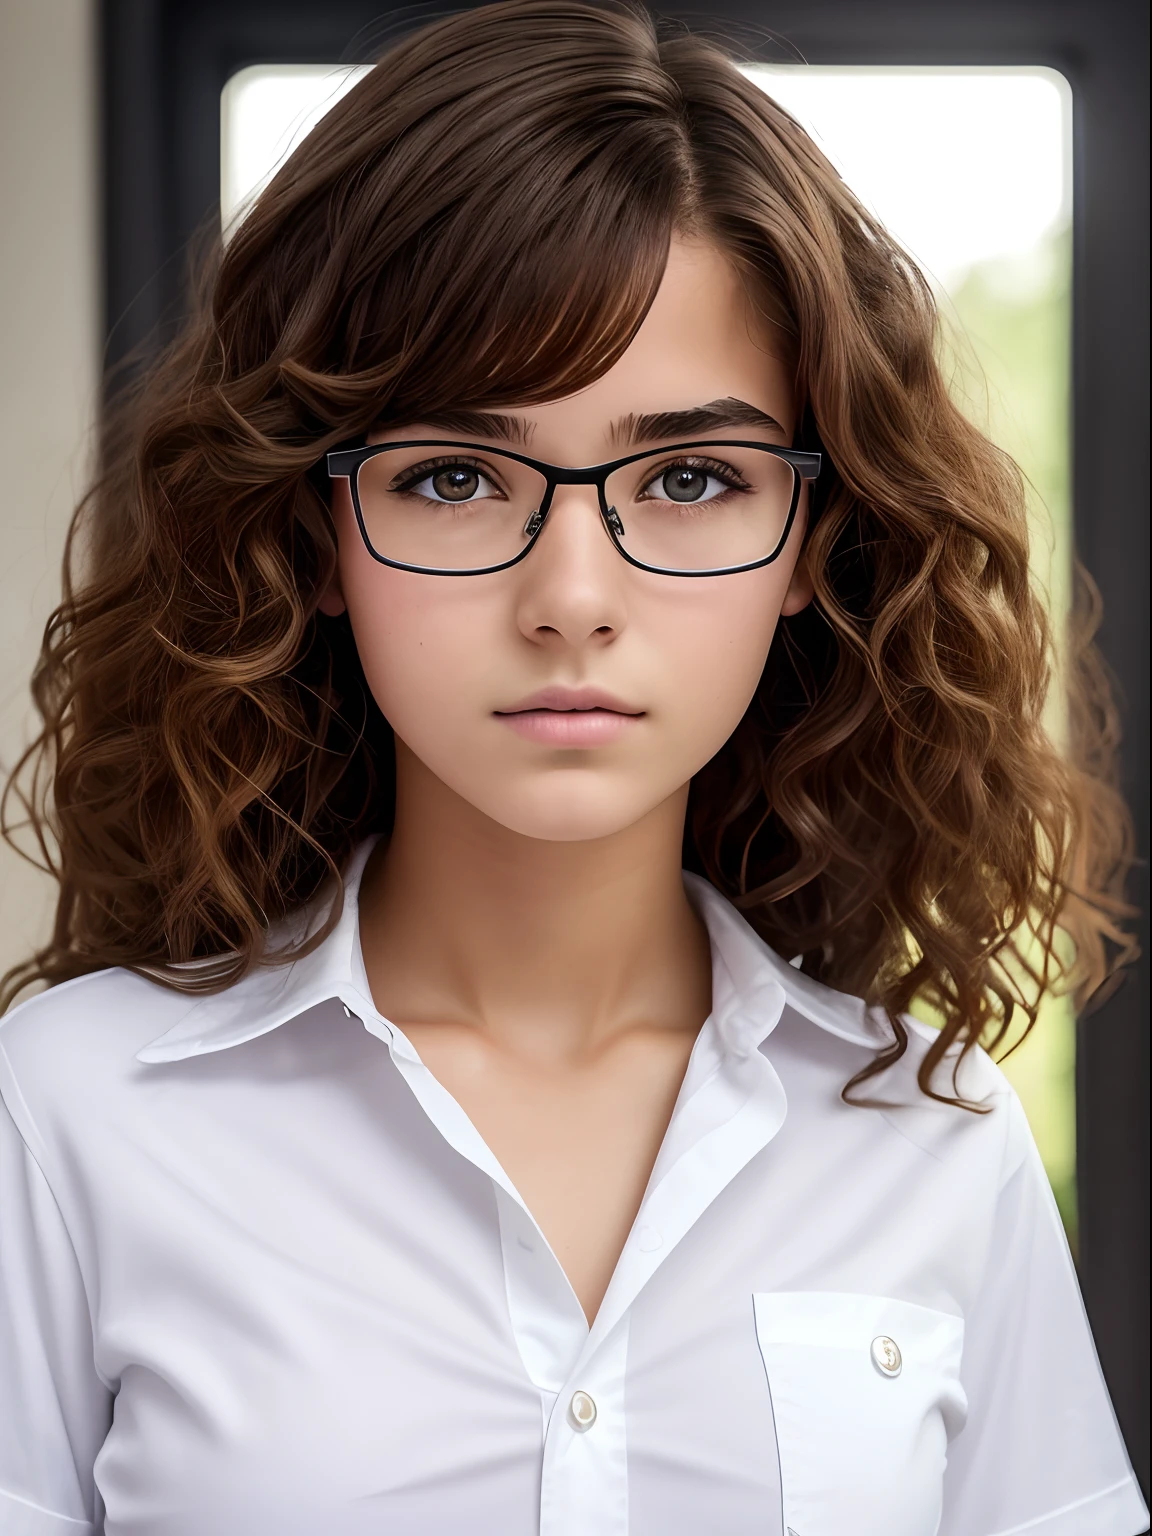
866, 1395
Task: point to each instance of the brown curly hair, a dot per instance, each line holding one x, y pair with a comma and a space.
483, 219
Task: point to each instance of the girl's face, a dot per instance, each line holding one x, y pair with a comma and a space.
567, 697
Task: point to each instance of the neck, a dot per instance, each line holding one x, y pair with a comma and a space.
556, 946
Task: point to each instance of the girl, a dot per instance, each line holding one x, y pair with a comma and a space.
545, 680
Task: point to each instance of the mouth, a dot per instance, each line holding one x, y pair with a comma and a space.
570, 717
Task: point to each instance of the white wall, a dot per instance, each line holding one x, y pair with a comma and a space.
49, 358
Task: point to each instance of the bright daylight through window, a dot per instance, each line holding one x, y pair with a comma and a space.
970, 169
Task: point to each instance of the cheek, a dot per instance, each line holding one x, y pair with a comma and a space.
422, 640
713, 641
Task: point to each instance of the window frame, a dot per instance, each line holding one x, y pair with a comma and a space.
163, 66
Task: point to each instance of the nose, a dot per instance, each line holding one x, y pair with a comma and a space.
572, 585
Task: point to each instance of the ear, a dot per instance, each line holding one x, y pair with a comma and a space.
332, 598
801, 588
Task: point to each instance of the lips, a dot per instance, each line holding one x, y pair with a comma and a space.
566, 700
570, 717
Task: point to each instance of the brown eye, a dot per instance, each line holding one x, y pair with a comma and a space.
458, 483
448, 482
691, 482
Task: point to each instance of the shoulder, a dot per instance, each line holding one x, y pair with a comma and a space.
989, 1113
72, 1047
101, 1009
820, 1057
972, 1076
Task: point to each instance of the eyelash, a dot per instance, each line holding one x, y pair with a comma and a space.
723, 472
420, 472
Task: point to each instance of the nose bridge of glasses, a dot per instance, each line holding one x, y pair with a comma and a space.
592, 474
570, 486
570, 490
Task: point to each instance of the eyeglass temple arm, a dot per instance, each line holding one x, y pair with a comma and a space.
343, 462
806, 464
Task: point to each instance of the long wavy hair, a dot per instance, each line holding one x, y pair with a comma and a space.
485, 218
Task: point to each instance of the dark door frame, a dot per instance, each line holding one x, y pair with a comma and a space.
164, 63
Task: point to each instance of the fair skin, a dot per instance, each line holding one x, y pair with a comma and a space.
526, 925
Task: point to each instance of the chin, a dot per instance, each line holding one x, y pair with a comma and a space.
565, 812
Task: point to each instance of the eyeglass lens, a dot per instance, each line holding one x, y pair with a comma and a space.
455, 509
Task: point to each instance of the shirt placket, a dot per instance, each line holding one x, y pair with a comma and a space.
584, 1471
729, 1108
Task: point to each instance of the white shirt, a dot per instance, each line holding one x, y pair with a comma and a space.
261, 1274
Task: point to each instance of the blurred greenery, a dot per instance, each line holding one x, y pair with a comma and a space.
1007, 330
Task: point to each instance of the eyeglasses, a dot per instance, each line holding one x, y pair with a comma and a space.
463, 509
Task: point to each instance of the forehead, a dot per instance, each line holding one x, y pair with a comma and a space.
701, 340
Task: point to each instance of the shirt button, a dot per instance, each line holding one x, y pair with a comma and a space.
649, 1239
886, 1356
582, 1411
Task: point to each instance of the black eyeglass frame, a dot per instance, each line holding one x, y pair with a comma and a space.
344, 463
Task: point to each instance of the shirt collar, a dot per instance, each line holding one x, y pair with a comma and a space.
750, 985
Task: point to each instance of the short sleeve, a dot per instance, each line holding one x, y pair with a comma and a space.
1041, 1451
55, 1412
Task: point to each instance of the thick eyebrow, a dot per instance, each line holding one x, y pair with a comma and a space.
696, 421
474, 424
626, 432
